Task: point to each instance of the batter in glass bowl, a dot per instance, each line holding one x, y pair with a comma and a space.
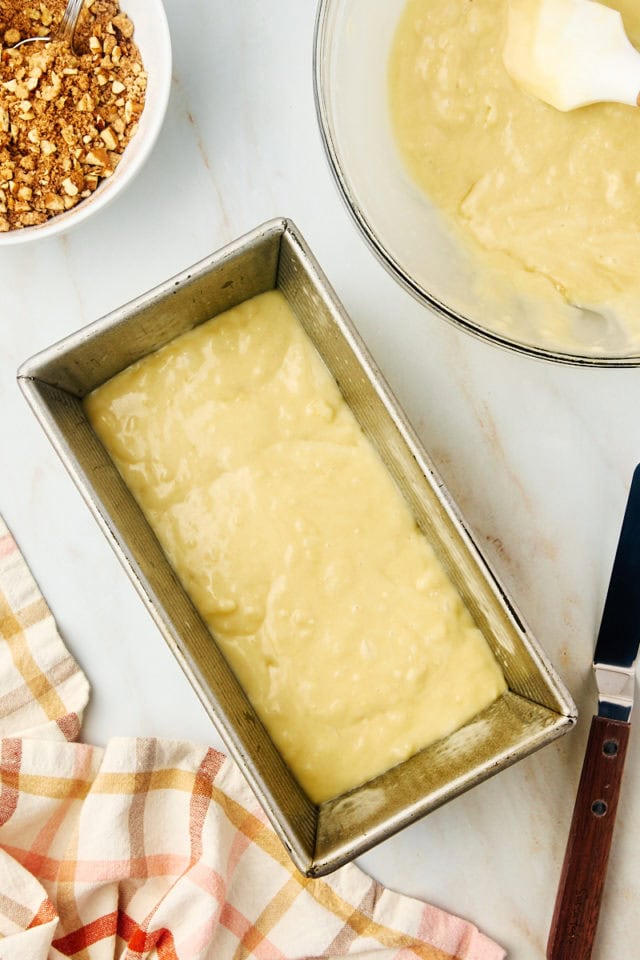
548, 199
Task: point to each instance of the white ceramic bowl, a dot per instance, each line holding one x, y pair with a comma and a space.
410, 236
154, 42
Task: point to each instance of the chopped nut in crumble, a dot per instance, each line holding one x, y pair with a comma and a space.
66, 115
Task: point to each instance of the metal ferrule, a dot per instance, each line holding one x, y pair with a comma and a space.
616, 688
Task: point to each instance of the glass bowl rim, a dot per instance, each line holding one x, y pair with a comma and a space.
320, 45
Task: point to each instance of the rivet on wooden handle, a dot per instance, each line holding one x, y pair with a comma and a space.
577, 908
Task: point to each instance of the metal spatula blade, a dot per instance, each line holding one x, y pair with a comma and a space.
571, 53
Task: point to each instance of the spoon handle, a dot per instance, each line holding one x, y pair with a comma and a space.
577, 909
69, 20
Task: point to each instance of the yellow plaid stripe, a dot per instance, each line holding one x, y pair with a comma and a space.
42, 690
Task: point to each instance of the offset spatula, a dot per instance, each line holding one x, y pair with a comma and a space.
575, 918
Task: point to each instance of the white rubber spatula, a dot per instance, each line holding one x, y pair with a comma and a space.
570, 53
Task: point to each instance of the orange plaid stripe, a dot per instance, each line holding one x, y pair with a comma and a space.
46, 913
117, 923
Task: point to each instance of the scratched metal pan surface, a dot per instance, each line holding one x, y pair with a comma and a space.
536, 709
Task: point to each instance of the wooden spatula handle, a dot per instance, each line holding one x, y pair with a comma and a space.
575, 917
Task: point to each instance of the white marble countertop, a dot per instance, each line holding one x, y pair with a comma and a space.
538, 458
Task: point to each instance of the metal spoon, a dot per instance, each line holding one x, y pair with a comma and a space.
66, 28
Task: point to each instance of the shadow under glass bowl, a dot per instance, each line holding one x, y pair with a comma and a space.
410, 236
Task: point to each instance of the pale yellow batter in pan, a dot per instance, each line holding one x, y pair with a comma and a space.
551, 199
296, 546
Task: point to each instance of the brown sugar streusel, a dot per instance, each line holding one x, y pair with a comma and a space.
66, 115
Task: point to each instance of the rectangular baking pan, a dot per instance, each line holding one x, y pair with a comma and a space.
536, 709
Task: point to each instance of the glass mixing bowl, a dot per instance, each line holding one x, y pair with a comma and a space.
413, 240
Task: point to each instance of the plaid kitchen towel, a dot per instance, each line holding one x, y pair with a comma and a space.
157, 849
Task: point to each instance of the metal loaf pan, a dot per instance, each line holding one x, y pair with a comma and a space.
535, 710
